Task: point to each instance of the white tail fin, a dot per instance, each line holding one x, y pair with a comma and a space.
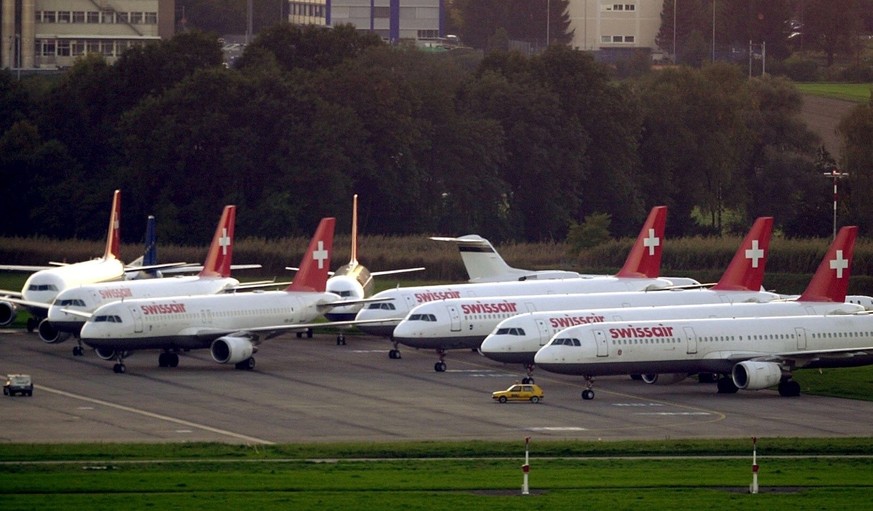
113, 236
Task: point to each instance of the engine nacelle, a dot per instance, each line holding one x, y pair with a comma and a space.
231, 350
49, 334
756, 375
105, 353
8, 311
664, 379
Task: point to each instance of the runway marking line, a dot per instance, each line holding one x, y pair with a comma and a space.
145, 413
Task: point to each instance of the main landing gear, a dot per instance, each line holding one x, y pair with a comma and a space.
79, 350
168, 359
726, 385
789, 388
341, 340
394, 353
246, 365
307, 333
529, 378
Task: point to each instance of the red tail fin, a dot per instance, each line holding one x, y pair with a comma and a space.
113, 237
315, 265
831, 281
644, 259
217, 263
746, 270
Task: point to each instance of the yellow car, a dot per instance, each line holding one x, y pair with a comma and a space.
519, 392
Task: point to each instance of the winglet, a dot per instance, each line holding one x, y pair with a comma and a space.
644, 259
746, 270
353, 260
315, 265
217, 263
113, 237
831, 280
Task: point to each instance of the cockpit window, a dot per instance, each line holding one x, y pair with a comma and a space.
107, 318
72, 301
566, 342
381, 305
422, 317
42, 287
345, 293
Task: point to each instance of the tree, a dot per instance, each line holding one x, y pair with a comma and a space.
855, 131
476, 21
831, 25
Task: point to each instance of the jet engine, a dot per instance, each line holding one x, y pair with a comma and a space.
756, 375
105, 353
49, 334
664, 379
8, 310
231, 350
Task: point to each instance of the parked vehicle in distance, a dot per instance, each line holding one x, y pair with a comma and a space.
519, 392
18, 384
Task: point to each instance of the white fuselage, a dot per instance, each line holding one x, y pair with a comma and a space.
194, 322
401, 301
44, 285
88, 298
466, 322
710, 345
517, 339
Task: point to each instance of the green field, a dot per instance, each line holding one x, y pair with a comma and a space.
857, 92
822, 474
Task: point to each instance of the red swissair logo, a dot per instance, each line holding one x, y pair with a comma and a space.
164, 308
489, 308
568, 321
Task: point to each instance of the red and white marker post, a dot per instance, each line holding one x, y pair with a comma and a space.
754, 487
525, 490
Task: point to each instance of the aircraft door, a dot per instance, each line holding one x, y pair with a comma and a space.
137, 320
410, 301
691, 339
544, 331
602, 343
801, 338
455, 318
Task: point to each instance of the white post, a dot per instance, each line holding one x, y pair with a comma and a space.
754, 487
525, 490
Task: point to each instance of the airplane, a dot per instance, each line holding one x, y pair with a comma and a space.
230, 326
41, 288
640, 272
353, 281
484, 264
466, 322
516, 340
65, 315
749, 353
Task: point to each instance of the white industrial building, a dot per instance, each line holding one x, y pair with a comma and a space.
51, 34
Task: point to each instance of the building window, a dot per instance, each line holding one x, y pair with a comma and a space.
108, 17
381, 12
122, 17
605, 39
630, 7
64, 16
78, 48
628, 38
93, 46
63, 48
151, 18
616, 38
48, 48
78, 16
49, 16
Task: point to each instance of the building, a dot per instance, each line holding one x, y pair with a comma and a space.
615, 27
393, 20
51, 34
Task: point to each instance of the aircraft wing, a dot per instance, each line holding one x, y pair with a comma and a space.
21, 267
196, 268
5, 293
799, 358
276, 330
260, 284
391, 272
26, 303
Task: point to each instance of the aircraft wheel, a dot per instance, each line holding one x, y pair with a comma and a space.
119, 369
309, 333
247, 364
587, 394
340, 340
394, 354
789, 388
440, 367
726, 386
172, 360
31, 325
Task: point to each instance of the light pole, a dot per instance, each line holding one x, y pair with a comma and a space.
548, 20
835, 174
675, 60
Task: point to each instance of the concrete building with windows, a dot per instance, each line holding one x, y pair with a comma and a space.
393, 20
615, 27
51, 34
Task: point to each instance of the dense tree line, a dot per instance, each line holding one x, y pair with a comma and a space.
508, 146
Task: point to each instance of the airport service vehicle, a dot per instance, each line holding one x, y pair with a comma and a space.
516, 340
640, 272
41, 288
230, 325
519, 392
466, 322
18, 384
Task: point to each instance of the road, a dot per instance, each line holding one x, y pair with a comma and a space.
311, 390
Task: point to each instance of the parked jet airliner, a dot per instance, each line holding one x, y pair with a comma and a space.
466, 322
353, 281
67, 313
517, 339
229, 325
750, 353
640, 272
41, 288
